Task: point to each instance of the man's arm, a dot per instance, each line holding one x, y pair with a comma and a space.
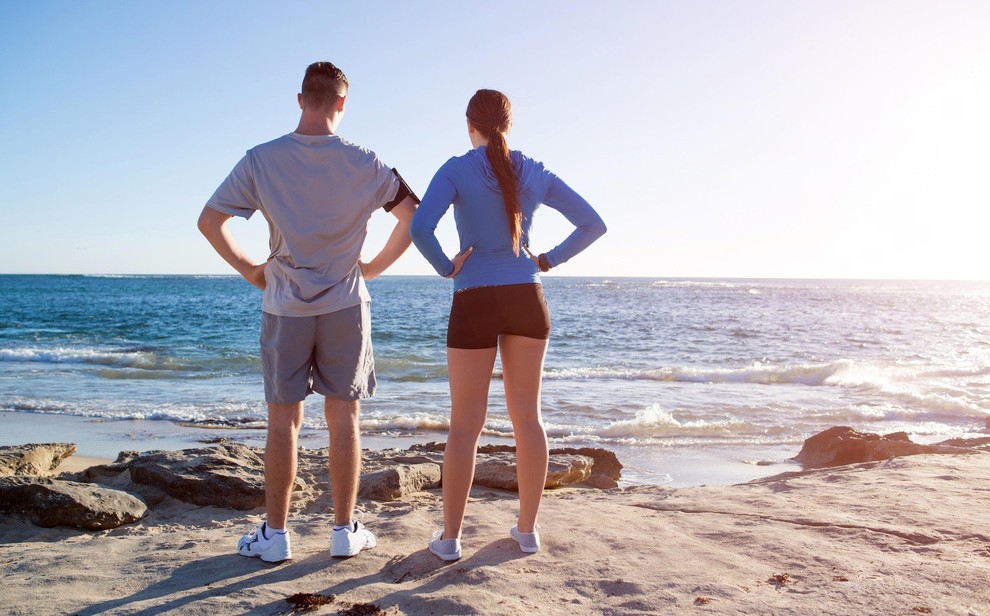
213, 224
397, 243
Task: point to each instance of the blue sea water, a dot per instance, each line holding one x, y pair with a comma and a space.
669, 373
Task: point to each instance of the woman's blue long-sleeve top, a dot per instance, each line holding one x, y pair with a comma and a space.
470, 184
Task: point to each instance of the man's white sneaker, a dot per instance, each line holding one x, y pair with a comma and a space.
528, 542
445, 549
346, 542
272, 549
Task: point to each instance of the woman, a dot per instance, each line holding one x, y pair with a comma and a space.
498, 304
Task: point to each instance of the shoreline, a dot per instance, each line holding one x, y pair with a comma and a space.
103, 439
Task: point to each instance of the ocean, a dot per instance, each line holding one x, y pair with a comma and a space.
688, 381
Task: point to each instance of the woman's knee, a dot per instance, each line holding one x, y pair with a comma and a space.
465, 431
529, 425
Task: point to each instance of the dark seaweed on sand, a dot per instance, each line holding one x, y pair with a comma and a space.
307, 602
362, 609
779, 579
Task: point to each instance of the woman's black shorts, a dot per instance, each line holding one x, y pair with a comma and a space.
478, 316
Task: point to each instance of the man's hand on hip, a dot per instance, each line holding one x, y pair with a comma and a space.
257, 275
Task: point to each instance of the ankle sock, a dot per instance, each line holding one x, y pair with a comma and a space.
267, 532
351, 527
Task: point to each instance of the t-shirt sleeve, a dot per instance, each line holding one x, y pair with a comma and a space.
387, 185
238, 194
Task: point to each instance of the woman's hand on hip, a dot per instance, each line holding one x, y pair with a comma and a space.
459, 260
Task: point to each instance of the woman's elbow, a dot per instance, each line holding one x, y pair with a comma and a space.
597, 228
417, 230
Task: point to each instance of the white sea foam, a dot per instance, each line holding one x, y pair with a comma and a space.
691, 283
653, 421
758, 373
951, 373
405, 423
128, 363
913, 386
909, 387
62, 355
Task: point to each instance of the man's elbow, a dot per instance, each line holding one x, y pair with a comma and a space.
210, 221
405, 210
203, 223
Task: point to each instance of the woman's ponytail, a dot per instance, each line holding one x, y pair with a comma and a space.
490, 113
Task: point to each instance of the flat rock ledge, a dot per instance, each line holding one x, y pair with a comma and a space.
590, 467
227, 475
35, 459
53, 502
400, 480
498, 470
232, 476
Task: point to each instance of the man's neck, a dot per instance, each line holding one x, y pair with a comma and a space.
315, 124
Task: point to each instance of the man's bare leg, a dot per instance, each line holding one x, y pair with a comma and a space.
284, 421
345, 456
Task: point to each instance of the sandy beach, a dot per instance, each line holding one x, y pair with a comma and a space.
902, 536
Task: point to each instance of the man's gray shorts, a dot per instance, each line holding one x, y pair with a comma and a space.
330, 354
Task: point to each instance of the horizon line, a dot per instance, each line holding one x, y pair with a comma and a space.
773, 278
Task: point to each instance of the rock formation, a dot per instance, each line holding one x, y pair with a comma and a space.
53, 502
36, 459
843, 445
226, 475
231, 476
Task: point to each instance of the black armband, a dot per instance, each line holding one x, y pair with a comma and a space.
403, 192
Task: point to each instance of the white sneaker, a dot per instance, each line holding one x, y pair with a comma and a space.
528, 542
271, 550
445, 549
346, 542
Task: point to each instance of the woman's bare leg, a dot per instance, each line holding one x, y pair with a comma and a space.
522, 375
469, 373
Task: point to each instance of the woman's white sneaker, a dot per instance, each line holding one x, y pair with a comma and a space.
348, 541
272, 549
445, 549
528, 542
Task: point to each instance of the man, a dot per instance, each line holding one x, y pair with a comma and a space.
317, 193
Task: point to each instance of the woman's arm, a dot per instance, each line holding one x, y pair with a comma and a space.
439, 195
588, 225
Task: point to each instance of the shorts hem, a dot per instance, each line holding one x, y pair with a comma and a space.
350, 397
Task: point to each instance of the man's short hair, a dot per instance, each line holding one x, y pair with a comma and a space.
323, 84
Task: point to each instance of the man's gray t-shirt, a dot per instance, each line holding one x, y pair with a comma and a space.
318, 193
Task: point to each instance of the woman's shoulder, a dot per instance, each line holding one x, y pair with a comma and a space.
531, 172
455, 164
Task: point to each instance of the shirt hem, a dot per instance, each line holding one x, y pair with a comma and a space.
313, 311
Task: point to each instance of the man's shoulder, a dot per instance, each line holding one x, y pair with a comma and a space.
276, 143
357, 150
332, 145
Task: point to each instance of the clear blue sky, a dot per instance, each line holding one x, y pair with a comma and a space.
754, 139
